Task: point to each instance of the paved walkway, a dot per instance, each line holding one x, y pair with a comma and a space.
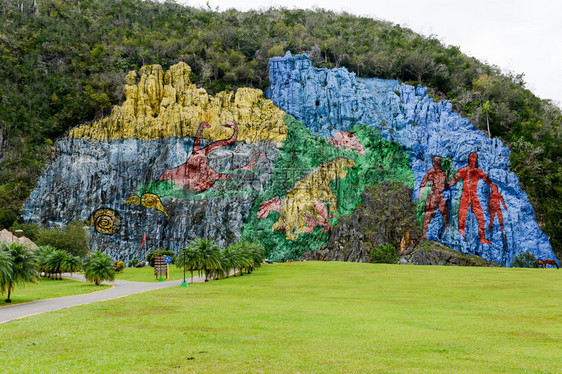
120, 288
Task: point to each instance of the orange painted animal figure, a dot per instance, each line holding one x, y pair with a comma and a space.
550, 262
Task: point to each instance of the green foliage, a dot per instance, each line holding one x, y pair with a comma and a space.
118, 266
384, 254
30, 230
209, 253
98, 268
524, 260
72, 264
190, 258
22, 265
205, 255
7, 218
134, 262
5, 265
68, 58
53, 262
71, 238
304, 151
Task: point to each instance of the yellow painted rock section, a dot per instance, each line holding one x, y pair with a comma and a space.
161, 105
312, 188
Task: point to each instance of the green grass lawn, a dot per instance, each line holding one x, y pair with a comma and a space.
309, 317
146, 274
47, 289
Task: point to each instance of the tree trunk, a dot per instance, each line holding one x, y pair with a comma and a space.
8, 300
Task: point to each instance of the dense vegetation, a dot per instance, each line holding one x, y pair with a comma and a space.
62, 64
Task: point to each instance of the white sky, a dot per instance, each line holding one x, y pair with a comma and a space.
521, 36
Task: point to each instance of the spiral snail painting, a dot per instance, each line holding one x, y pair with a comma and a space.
105, 221
148, 200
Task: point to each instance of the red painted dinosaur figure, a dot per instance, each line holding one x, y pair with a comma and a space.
196, 174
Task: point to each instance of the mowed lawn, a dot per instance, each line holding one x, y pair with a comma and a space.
47, 289
308, 317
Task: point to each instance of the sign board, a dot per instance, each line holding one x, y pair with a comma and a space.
168, 259
160, 267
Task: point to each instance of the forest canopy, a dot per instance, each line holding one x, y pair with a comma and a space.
62, 64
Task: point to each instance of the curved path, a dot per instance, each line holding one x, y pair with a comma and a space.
120, 288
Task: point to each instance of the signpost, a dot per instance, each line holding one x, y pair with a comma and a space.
184, 284
161, 267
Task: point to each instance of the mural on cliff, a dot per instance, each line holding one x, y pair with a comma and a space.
330, 101
280, 169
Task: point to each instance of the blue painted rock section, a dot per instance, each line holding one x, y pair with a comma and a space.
328, 101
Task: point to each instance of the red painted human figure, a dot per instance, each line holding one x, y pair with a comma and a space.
494, 207
470, 176
438, 181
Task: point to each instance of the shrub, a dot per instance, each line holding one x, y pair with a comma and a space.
384, 254
134, 262
524, 260
118, 266
7, 218
71, 238
99, 268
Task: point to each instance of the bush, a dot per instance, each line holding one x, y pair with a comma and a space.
384, 254
118, 266
99, 268
524, 260
134, 262
7, 218
71, 238
151, 255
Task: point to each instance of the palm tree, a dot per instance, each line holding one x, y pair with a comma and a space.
254, 254
230, 260
72, 264
99, 267
189, 259
210, 256
43, 253
5, 266
56, 263
241, 258
23, 267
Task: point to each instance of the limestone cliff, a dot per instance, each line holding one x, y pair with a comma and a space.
173, 163
330, 101
111, 173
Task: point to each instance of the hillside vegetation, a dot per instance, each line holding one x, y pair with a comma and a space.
62, 64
